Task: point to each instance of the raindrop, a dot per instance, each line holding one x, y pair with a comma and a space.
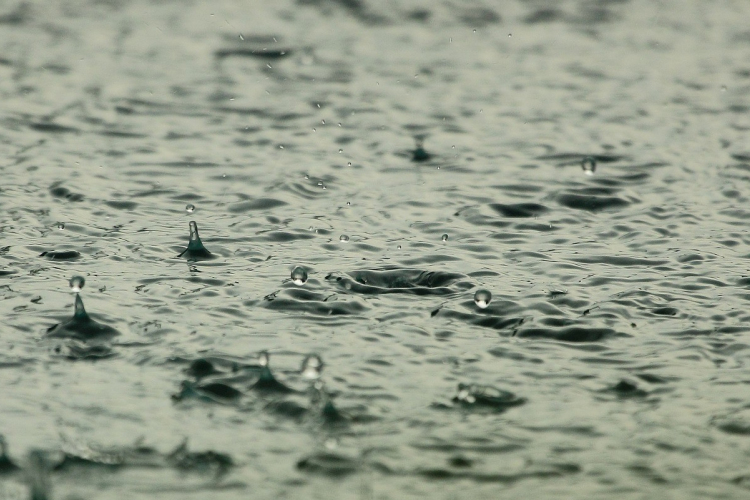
349, 164
61, 225
348, 203
588, 165
242, 37
482, 298
322, 122
76, 283
312, 367
344, 238
190, 208
299, 276
444, 237
341, 151
263, 358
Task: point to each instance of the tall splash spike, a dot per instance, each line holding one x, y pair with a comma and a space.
195, 249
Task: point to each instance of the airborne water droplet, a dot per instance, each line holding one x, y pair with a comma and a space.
61, 225
263, 358
588, 165
444, 237
299, 276
482, 298
344, 238
190, 208
76, 283
312, 367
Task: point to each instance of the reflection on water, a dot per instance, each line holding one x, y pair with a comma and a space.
514, 234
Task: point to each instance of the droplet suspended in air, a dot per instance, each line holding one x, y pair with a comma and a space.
263, 358
190, 208
444, 237
344, 238
76, 283
312, 367
61, 225
588, 165
299, 276
482, 298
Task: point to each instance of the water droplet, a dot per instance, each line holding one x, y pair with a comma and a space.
299, 276
399, 247
444, 237
344, 238
349, 164
190, 208
312, 367
348, 203
242, 37
510, 35
331, 444
61, 225
307, 177
322, 122
76, 283
263, 358
341, 151
482, 298
588, 165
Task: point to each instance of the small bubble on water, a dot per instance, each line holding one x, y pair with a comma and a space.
76, 283
444, 237
341, 151
299, 276
588, 165
482, 298
344, 238
61, 225
190, 208
398, 247
312, 367
307, 177
349, 164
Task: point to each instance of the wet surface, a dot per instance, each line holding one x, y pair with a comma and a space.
360, 171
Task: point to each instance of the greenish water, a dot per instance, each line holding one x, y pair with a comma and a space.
405, 155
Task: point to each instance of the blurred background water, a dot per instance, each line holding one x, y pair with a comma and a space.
405, 155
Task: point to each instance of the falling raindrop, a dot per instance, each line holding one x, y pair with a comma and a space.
76, 283
588, 165
312, 367
344, 238
61, 225
444, 237
263, 358
482, 298
190, 208
349, 164
299, 276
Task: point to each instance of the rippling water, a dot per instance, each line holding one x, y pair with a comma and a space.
405, 155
